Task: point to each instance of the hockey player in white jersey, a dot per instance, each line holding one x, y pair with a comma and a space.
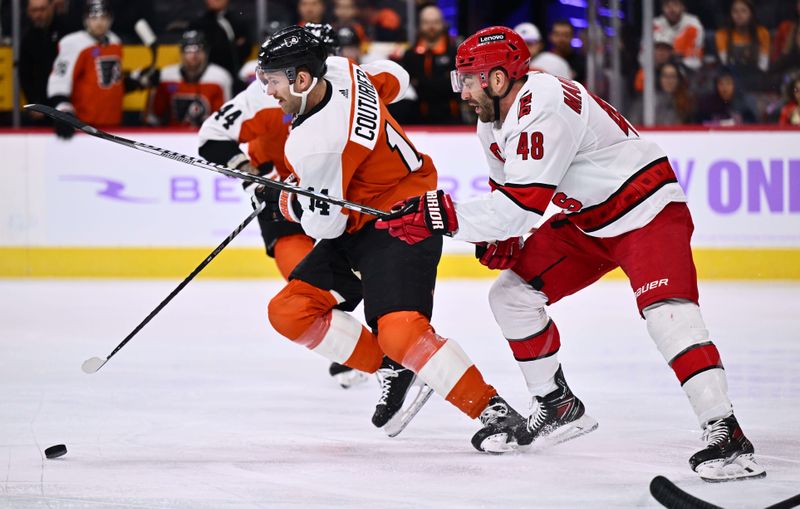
548, 140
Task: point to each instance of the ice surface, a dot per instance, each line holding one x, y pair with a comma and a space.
207, 407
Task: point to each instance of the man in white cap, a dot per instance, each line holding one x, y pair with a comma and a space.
542, 60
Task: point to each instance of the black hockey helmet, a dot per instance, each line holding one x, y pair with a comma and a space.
193, 38
97, 8
290, 49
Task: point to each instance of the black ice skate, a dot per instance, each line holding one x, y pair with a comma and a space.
346, 376
393, 413
558, 416
504, 429
728, 455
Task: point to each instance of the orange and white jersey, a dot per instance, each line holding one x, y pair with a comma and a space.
686, 37
178, 102
560, 144
251, 117
88, 74
349, 146
255, 118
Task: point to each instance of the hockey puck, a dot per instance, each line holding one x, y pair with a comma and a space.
55, 451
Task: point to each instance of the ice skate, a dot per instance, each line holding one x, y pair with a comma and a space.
558, 416
395, 409
346, 376
728, 456
504, 429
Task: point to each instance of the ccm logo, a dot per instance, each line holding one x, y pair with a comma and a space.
653, 284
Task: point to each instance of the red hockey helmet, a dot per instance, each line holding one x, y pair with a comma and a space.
491, 48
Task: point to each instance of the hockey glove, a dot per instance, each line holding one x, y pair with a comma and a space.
500, 255
415, 219
281, 205
63, 130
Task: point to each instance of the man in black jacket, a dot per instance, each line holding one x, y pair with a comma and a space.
37, 52
429, 62
227, 36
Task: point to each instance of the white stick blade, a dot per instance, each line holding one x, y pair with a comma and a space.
145, 33
90, 366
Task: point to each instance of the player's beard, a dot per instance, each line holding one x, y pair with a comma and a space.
484, 102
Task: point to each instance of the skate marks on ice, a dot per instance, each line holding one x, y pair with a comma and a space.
210, 409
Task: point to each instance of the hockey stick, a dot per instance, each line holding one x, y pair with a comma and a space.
200, 163
672, 497
95, 363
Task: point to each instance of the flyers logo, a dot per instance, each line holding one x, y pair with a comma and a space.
524, 106
109, 71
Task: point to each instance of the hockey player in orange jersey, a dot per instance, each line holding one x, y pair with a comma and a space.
254, 118
344, 143
187, 93
87, 79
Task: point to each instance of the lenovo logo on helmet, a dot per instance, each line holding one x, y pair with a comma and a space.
491, 38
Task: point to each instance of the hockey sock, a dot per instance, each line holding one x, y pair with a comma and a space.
534, 340
681, 336
304, 314
439, 362
289, 250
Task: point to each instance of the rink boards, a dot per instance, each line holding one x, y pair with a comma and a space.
88, 208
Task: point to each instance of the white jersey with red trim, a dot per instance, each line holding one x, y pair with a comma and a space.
561, 144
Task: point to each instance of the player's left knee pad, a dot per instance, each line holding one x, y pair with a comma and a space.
517, 307
295, 308
678, 329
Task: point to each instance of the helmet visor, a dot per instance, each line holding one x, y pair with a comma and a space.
460, 81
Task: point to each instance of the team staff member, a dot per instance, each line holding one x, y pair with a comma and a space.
548, 140
343, 142
190, 91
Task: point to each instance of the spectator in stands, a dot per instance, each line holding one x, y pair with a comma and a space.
785, 35
743, 46
383, 23
542, 60
789, 59
345, 13
429, 62
190, 91
682, 30
790, 113
37, 51
727, 105
349, 44
310, 11
663, 53
227, 36
674, 102
561, 35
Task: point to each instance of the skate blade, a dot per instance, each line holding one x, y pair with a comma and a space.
741, 468
350, 378
499, 444
586, 424
403, 417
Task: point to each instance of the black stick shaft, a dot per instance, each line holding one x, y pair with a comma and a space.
186, 281
200, 163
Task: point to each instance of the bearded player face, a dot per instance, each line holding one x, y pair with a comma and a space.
475, 96
277, 85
